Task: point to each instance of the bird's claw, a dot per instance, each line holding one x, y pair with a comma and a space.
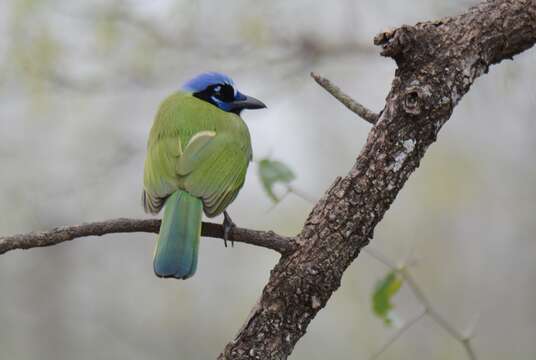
228, 225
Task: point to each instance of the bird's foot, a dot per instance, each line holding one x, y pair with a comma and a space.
228, 225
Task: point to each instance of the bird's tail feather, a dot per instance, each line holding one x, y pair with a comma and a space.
178, 241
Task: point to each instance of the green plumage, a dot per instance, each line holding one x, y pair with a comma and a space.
196, 152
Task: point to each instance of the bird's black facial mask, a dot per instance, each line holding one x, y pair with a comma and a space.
227, 98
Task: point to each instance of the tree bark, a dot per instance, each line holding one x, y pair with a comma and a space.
437, 63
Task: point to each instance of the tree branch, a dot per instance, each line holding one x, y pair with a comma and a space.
267, 239
437, 63
346, 100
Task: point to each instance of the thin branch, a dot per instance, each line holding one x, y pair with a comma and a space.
419, 294
267, 239
346, 100
425, 302
299, 193
438, 318
397, 334
469, 348
381, 258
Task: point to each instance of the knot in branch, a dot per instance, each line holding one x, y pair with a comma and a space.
415, 98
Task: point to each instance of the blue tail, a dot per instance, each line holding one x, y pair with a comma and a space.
178, 241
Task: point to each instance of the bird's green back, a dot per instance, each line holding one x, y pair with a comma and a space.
198, 148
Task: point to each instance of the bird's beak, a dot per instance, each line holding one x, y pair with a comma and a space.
247, 102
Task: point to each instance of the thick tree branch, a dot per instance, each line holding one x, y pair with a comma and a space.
437, 63
346, 100
267, 239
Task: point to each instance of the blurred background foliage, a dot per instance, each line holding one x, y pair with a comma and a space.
79, 86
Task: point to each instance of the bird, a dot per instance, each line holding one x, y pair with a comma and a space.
198, 153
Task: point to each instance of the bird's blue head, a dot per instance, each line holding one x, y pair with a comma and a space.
220, 90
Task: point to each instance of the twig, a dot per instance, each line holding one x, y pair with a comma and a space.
267, 239
441, 321
469, 348
425, 302
380, 257
346, 100
437, 317
302, 195
398, 333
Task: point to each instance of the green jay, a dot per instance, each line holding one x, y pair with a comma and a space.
198, 153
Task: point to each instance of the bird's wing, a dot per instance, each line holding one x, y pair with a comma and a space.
159, 174
216, 169
198, 147
171, 129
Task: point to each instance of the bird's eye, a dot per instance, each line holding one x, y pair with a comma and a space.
224, 92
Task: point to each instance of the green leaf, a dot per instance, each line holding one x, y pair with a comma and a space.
272, 172
384, 291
